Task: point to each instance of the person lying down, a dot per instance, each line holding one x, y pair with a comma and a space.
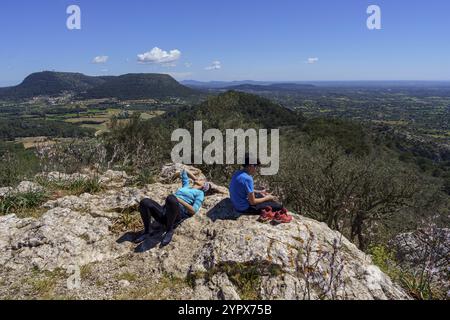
181, 205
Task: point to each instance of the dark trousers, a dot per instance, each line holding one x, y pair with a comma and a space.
257, 209
168, 215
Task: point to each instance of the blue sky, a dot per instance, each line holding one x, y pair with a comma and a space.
229, 40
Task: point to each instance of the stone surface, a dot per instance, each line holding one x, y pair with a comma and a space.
109, 179
217, 254
23, 187
426, 249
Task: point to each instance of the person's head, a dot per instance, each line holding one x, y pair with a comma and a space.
251, 167
203, 185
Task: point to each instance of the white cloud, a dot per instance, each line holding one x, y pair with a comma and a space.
100, 59
158, 56
215, 65
312, 60
188, 64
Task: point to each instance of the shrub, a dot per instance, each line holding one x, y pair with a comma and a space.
72, 156
384, 258
351, 194
16, 164
446, 186
19, 202
73, 187
88, 185
137, 146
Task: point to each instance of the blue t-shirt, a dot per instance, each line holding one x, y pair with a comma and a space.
241, 185
191, 196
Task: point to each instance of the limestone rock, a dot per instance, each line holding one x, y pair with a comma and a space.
23, 187
28, 186
59, 239
426, 249
5, 191
61, 177
109, 179
124, 283
109, 204
114, 179
220, 253
169, 171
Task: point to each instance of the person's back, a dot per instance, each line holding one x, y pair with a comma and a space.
241, 186
243, 196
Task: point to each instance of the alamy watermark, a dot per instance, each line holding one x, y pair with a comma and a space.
74, 280
233, 151
374, 20
74, 20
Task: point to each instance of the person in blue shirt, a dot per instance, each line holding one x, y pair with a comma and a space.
243, 195
183, 204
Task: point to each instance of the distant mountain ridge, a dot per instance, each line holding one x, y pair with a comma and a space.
139, 86
128, 86
221, 84
248, 85
271, 87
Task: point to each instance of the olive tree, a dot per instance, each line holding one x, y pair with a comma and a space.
351, 194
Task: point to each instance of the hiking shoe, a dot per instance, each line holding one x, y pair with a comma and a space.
266, 215
282, 217
167, 238
141, 238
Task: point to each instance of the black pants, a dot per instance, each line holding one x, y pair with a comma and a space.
257, 208
167, 215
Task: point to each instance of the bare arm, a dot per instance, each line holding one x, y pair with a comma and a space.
191, 175
255, 201
188, 207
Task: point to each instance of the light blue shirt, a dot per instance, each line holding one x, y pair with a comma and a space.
241, 185
191, 196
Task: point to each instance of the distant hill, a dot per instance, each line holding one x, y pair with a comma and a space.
234, 109
248, 85
220, 84
139, 86
271, 87
129, 86
50, 83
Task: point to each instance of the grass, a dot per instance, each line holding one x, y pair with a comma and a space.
85, 271
43, 283
144, 177
43, 287
385, 260
417, 284
88, 185
128, 276
73, 187
20, 203
129, 220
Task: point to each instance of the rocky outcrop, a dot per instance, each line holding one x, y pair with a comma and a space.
218, 254
109, 179
23, 187
425, 251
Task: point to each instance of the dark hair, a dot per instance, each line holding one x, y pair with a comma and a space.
248, 163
